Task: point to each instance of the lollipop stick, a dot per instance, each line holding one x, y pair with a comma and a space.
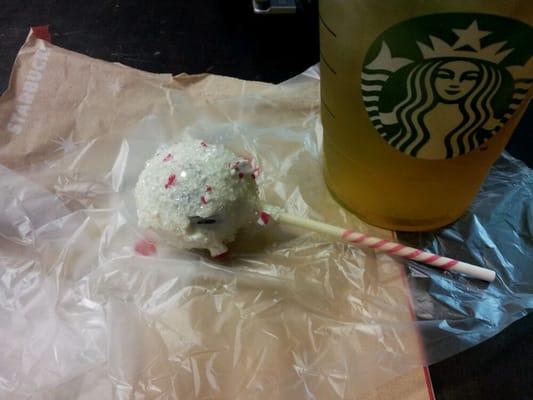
386, 246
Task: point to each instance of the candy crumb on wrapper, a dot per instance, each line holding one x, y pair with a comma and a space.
268, 213
197, 195
264, 218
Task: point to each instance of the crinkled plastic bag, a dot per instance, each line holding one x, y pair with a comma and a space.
291, 315
455, 313
84, 315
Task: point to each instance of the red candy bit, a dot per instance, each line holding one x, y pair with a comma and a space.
203, 144
264, 218
170, 181
209, 189
145, 247
168, 157
241, 175
204, 200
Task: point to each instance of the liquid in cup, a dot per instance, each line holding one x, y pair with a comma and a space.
418, 100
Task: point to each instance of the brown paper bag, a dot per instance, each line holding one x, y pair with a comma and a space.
291, 316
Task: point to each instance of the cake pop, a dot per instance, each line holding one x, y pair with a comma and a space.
197, 195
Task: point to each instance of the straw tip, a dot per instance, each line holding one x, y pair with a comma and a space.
491, 276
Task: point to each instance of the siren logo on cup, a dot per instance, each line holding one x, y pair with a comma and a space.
439, 86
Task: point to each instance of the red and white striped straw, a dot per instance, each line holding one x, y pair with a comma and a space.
380, 245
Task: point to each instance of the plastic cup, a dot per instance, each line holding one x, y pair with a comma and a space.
419, 98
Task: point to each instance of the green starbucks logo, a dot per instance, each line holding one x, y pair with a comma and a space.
440, 86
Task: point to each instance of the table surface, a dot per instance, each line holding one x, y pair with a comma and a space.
225, 37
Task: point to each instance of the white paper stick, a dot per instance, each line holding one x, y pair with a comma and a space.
382, 245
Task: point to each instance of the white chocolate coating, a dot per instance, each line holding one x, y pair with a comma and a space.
197, 195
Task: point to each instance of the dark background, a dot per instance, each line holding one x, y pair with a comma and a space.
225, 37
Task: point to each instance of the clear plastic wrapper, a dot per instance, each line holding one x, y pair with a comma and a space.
455, 313
92, 307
